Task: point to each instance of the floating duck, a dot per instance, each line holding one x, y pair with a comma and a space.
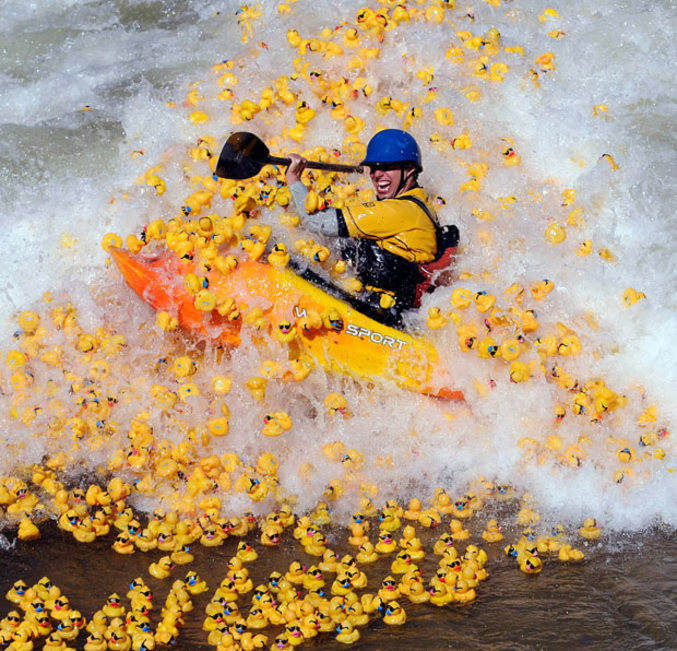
439, 595
458, 533
182, 555
342, 585
161, 569
245, 552
463, 592
194, 584
316, 545
279, 257
413, 510
359, 533
492, 533
386, 543
113, 606
389, 590
17, 592
321, 514
415, 549
329, 562
402, 563
568, 554
95, 641
389, 521
531, 565
435, 319
313, 578
279, 422
590, 529
394, 614
347, 633
366, 553
11, 621
443, 543
429, 518
28, 530
295, 573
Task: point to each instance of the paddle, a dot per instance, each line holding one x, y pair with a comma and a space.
244, 154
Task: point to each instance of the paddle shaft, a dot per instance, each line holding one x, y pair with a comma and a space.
244, 155
316, 165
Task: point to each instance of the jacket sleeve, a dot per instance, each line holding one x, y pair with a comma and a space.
325, 222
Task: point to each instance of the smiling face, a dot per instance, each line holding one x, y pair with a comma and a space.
389, 181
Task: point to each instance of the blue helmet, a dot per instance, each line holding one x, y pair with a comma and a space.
392, 146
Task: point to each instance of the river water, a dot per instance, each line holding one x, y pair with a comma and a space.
95, 94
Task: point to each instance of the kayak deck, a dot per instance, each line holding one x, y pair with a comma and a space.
336, 335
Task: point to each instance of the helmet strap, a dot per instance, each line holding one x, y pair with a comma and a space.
403, 179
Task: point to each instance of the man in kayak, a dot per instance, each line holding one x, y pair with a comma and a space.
386, 240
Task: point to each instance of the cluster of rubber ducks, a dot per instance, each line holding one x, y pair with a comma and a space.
306, 602
80, 397
531, 550
510, 336
40, 613
46, 617
329, 595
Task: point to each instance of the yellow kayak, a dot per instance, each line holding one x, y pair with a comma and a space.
296, 313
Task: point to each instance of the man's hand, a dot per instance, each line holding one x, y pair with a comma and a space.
295, 169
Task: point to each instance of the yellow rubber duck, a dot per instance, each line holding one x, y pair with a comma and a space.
389, 590
11, 621
429, 518
358, 533
271, 535
389, 520
492, 533
414, 547
394, 614
95, 641
531, 565
113, 606
304, 113
329, 562
413, 510
541, 289
568, 554
279, 257
443, 543
458, 533
245, 552
590, 529
416, 592
276, 423
342, 585
181, 554
435, 319
402, 563
371, 603
386, 543
295, 573
347, 633
17, 592
351, 38
439, 595
194, 584
463, 593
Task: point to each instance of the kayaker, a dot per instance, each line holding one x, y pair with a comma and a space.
386, 240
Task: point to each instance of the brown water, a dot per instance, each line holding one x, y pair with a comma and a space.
623, 596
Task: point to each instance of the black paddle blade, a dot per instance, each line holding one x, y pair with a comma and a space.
242, 157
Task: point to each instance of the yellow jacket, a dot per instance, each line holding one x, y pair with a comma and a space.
399, 226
